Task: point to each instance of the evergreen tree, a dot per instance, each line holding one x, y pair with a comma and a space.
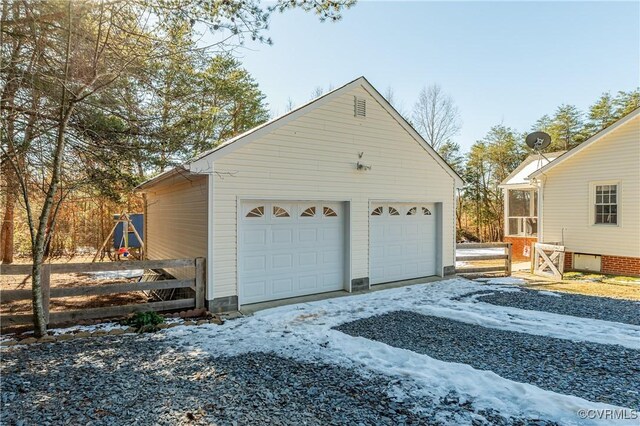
567, 128
625, 102
601, 113
450, 152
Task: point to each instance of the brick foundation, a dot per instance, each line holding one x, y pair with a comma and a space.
621, 265
517, 247
568, 261
612, 265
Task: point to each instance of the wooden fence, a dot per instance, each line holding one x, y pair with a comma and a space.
472, 269
197, 283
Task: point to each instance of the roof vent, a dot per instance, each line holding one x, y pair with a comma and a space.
360, 107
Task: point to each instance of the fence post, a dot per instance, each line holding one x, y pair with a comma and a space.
201, 279
507, 265
533, 257
45, 286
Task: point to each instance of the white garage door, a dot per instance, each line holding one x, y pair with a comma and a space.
290, 249
402, 241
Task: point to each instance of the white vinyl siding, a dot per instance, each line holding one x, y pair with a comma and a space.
568, 205
176, 220
314, 158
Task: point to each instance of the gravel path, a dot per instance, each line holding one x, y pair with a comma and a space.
137, 380
576, 305
600, 373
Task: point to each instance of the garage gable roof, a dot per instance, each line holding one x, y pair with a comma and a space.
202, 162
592, 140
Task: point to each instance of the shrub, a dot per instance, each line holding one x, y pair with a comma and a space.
144, 321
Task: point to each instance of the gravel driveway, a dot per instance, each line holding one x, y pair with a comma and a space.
603, 373
291, 366
139, 381
602, 308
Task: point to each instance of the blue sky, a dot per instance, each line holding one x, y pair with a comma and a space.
502, 62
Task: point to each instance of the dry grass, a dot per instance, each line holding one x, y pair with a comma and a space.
627, 288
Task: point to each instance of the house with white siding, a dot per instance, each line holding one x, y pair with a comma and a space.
520, 196
339, 194
588, 200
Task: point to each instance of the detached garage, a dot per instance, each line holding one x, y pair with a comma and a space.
339, 194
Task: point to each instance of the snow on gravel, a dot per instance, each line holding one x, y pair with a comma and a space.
304, 332
602, 373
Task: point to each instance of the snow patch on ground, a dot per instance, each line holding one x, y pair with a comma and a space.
502, 281
304, 332
476, 252
105, 326
479, 252
110, 275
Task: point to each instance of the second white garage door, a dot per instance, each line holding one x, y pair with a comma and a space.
402, 241
289, 249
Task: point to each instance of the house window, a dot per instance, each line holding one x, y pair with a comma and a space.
522, 212
412, 211
393, 211
426, 211
606, 205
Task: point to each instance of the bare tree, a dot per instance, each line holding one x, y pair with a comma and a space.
289, 105
390, 96
317, 92
435, 116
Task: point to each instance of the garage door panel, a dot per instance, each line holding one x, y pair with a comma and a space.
411, 230
393, 250
282, 261
308, 259
393, 231
410, 269
331, 280
332, 257
403, 245
282, 236
255, 263
255, 237
289, 249
331, 234
255, 288
306, 235
308, 282
282, 286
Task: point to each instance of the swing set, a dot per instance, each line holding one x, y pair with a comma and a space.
124, 251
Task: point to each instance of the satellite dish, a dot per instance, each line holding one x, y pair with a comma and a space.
538, 140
